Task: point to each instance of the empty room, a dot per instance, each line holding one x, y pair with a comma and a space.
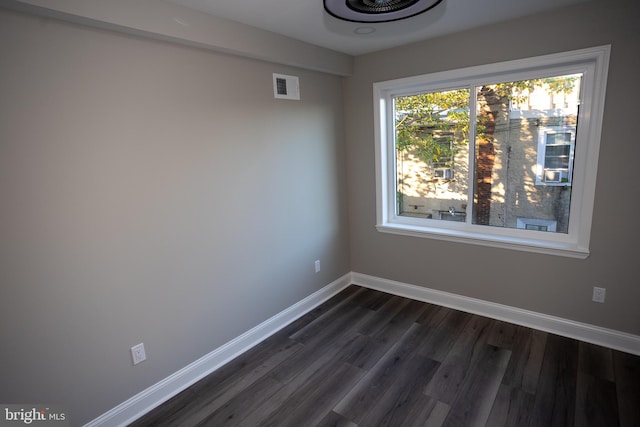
319, 212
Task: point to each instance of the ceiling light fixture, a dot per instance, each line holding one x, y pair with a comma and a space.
377, 10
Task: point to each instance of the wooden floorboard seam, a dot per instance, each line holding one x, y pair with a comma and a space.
366, 358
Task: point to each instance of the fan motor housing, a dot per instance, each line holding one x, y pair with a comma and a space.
377, 10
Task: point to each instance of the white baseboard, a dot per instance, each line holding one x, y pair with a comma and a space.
581, 331
162, 391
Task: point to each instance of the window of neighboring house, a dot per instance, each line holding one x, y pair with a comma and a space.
555, 155
502, 155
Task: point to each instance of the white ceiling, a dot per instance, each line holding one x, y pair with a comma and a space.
307, 20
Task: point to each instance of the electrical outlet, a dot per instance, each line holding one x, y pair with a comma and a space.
137, 353
317, 265
599, 294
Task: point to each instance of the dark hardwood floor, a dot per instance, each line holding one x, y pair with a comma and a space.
367, 358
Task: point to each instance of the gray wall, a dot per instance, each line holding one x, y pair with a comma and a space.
156, 193
152, 193
547, 284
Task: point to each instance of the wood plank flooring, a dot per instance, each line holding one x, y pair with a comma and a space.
367, 358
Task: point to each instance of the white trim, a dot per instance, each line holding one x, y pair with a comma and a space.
610, 338
495, 241
165, 389
148, 399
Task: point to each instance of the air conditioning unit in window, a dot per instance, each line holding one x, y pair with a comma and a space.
443, 173
555, 175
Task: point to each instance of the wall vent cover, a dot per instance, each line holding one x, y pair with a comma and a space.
286, 87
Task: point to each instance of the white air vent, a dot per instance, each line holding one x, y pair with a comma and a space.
286, 87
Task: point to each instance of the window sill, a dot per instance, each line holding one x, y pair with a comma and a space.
491, 240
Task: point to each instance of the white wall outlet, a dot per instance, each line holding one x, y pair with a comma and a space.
599, 294
317, 265
138, 354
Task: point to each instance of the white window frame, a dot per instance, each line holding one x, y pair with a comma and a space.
592, 63
541, 170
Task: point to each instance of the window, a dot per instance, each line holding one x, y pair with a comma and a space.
502, 154
555, 155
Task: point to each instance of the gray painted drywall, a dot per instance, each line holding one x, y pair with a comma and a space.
175, 23
155, 193
547, 284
